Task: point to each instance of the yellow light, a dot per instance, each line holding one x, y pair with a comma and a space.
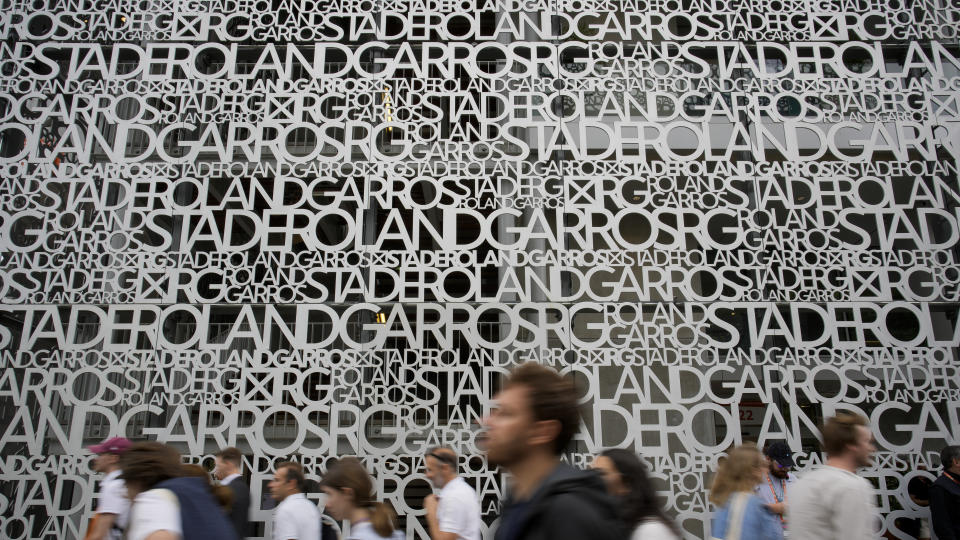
381, 318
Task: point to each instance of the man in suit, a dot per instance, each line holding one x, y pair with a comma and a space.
228, 472
945, 496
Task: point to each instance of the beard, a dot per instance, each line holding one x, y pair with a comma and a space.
506, 454
779, 473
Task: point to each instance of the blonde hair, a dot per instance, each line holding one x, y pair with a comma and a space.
738, 472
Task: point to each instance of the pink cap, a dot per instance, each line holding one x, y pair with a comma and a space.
116, 445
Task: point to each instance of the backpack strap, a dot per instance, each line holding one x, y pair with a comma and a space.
738, 508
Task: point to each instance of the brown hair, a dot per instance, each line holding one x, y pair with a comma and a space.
840, 432
551, 397
222, 494
294, 472
146, 464
231, 455
736, 473
349, 473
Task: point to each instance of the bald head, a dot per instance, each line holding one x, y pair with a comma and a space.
441, 465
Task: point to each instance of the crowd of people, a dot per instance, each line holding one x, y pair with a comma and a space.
148, 494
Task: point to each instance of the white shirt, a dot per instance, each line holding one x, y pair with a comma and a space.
152, 511
831, 504
296, 517
458, 510
113, 500
230, 478
364, 531
653, 529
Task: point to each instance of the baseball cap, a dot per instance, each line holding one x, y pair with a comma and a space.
781, 453
115, 445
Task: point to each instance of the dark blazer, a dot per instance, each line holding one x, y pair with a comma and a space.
200, 515
240, 510
945, 507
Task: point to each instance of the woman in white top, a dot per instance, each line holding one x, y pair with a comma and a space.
171, 502
350, 496
627, 479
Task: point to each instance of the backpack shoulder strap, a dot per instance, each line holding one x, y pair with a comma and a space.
738, 509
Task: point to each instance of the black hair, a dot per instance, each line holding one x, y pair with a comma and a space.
919, 487
641, 502
948, 455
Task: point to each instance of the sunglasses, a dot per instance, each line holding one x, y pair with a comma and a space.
444, 458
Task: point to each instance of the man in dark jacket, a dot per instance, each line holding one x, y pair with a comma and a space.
534, 419
228, 472
945, 496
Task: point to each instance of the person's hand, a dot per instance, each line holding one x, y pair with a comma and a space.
430, 504
778, 508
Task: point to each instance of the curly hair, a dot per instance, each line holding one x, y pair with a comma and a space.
146, 464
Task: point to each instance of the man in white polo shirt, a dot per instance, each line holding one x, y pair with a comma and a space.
832, 502
454, 514
295, 518
113, 506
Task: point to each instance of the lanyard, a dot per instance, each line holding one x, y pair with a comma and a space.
783, 489
950, 476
